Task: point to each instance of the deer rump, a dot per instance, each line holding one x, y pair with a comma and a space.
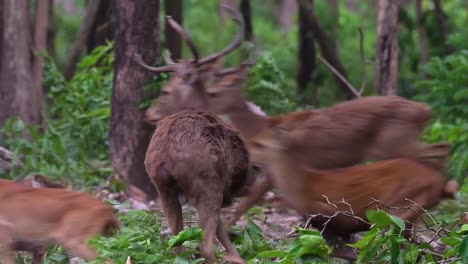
192, 143
197, 154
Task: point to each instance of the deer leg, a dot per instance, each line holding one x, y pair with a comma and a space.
79, 248
231, 252
6, 252
208, 216
169, 197
257, 191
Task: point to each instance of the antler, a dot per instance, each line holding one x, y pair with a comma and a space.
237, 17
139, 60
185, 35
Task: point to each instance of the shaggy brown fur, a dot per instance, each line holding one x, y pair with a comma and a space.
198, 154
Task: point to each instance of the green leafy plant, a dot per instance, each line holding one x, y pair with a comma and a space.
266, 87
74, 145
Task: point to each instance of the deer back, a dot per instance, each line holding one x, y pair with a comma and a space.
193, 143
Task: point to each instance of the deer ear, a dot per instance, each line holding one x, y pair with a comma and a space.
282, 138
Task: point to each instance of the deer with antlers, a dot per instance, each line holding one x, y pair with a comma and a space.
375, 127
196, 153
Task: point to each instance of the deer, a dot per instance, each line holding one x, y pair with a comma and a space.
374, 127
31, 217
396, 183
201, 156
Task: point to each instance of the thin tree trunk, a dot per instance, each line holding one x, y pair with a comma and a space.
352, 5
17, 97
80, 42
306, 58
286, 14
335, 14
137, 31
386, 64
441, 18
102, 29
246, 11
328, 51
174, 8
40, 44
422, 35
51, 30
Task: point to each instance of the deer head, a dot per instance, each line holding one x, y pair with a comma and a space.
186, 89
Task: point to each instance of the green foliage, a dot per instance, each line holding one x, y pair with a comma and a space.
266, 87
75, 144
139, 238
385, 243
447, 92
309, 247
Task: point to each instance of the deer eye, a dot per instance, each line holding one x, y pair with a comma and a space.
213, 94
164, 92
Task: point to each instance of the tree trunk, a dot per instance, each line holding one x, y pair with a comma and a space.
306, 58
137, 31
173, 40
328, 51
422, 35
17, 97
246, 11
335, 14
352, 5
51, 31
102, 29
40, 44
286, 14
386, 63
441, 18
80, 42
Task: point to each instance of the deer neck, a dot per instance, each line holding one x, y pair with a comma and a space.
247, 122
199, 99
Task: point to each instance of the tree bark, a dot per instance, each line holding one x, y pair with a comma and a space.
306, 58
335, 14
422, 35
80, 42
102, 29
246, 11
286, 14
328, 51
17, 97
173, 40
137, 31
441, 18
51, 30
386, 63
40, 44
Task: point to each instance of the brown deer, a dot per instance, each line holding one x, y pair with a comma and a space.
198, 154
374, 127
397, 183
43, 216
377, 127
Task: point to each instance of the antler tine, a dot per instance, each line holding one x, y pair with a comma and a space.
237, 17
185, 35
251, 60
139, 60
